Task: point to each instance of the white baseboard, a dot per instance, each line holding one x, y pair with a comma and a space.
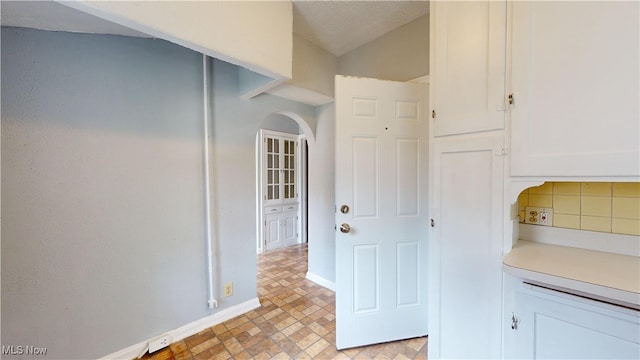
189, 329
321, 281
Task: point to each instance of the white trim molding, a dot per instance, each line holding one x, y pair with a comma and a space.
321, 281
134, 351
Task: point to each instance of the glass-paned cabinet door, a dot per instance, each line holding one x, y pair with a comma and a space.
279, 164
272, 168
289, 169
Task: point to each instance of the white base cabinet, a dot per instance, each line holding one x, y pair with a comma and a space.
281, 226
556, 325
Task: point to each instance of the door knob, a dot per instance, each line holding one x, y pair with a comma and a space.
345, 228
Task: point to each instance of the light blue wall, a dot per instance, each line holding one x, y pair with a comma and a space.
322, 263
236, 123
102, 192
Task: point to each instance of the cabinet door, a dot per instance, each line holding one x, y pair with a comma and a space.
575, 86
273, 231
280, 169
272, 165
289, 228
568, 327
469, 66
465, 252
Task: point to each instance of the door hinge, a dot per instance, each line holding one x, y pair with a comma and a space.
502, 151
510, 99
433, 114
433, 223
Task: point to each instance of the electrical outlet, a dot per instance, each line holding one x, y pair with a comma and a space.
538, 216
159, 342
228, 289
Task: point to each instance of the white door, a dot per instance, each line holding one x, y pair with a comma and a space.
465, 252
381, 176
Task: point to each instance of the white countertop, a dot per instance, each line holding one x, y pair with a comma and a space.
601, 275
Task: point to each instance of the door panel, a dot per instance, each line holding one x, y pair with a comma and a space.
381, 174
273, 240
407, 263
366, 279
407, 177
290, 228
365, 177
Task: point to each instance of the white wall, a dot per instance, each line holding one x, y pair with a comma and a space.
103, 213
400, 55
322, 197
254, 34
313, 68
102, 222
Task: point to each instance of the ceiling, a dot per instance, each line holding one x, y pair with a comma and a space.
342, 26
336, 26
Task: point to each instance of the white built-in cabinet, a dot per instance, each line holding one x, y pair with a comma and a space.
467, 178
280, 191
281, 224
575, 88
548, 324
549, 89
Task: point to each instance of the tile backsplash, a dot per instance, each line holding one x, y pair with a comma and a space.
594, 206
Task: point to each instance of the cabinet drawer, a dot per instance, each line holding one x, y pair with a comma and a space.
272, 209
289, 207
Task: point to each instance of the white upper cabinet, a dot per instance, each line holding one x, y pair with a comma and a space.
575, 86
279, 164
469, 66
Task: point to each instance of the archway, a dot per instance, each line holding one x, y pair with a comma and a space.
285, 126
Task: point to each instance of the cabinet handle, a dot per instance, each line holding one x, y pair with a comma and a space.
514, 321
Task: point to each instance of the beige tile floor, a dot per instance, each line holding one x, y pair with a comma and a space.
296, 321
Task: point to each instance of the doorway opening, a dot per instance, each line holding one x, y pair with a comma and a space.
281, 182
